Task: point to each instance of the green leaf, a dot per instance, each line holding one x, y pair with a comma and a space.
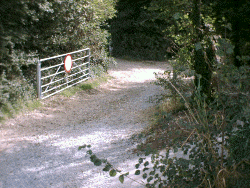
112, 173
230, 50
88, 146
104, 160
144, 169
141, 160
93, 158
164, 174
81, 147
152, 173
89, 152
146, 163
149, 179
177, 15
198, 46
229, 26
144, 176
137, 166
121, 178
107, 167
137, 172
162, 168
97, 162
175, 149
185, 152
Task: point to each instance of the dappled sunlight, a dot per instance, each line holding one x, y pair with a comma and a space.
107, 136
43, 149
137, 75
39, 115
51, 168
15, 144
55, 157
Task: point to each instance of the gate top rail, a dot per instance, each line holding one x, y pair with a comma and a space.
62, 55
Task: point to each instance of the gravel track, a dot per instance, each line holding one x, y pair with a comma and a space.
39, 148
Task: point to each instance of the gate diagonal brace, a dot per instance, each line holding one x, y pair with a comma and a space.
52, 79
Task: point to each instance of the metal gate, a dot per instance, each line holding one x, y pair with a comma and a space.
52, 76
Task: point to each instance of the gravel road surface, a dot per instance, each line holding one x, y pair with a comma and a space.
40, 148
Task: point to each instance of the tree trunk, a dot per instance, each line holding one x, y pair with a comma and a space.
236, 33
201, 66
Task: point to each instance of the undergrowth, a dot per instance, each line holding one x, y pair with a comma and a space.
26, 100
195, 143
88, 85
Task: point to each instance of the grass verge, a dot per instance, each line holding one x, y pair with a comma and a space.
12, 110
169, 113
204, 146
88, 85
21, 106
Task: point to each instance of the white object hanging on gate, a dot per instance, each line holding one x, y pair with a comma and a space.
68, 63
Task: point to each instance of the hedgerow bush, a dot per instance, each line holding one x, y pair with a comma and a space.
210, 148
214, 153
32, 30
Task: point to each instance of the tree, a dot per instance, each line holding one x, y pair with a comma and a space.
37, 29
202, 66
137, 32
233, 22
191, 38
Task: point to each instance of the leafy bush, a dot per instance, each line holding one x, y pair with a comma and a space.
11, 92
137, 32
215, 151
38, 29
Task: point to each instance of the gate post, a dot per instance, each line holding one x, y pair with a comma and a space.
39, 79
88, 60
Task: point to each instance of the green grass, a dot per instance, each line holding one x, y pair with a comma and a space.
88, 85
11, 110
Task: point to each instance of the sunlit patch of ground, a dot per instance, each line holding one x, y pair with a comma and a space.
40, 148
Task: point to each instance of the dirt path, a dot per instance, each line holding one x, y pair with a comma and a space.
39, 149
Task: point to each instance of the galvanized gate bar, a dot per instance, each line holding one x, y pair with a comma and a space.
78, 66
64, 88
53, 74
52, 67
46, 91
39, 82
49, 83
79, 58
61, 79
62, 55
